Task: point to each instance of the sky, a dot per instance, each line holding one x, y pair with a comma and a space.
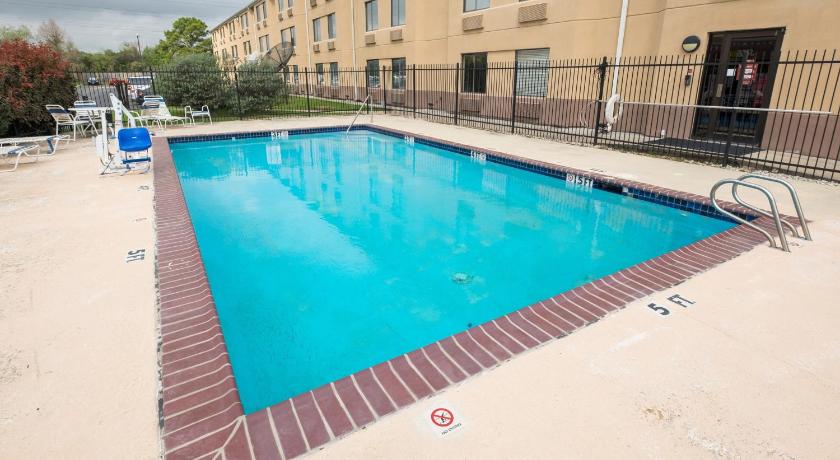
95, 25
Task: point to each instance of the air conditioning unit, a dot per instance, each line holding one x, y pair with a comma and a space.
289, 12
316, 48
370, 39
265, 23
396, 35
531, 13
331, 45
473, 22
258, 26
313, 3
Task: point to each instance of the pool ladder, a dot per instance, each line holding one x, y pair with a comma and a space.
774, 210
358, 112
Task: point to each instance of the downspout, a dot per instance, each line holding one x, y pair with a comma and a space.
306, 27
619, 46
353, 47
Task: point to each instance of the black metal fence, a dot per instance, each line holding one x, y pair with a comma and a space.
775, 113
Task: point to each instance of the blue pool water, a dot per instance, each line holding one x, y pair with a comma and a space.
329, 253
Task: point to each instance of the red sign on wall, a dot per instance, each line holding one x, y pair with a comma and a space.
748, 72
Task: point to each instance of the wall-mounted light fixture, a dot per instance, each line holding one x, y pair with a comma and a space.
691, 43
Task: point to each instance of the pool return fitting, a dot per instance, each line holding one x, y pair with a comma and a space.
772, 214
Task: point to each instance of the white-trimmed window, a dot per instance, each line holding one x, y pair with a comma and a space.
261, 12
331, 26
243, 21
234, 52
473, 5
246, 47
333, 73
316, 29
371, 15
532, 72
397, 12
264, 44
288, 36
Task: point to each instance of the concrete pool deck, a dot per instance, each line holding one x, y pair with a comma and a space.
751, 369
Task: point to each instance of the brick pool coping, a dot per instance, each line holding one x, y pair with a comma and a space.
201, 415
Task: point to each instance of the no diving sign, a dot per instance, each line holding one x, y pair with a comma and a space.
443, 419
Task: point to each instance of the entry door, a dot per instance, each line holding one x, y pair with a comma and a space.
738, 72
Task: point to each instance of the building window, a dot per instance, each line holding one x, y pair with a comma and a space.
246, 47
473, 5
243, 21
264, 44
234, 51
331, 26
290, 3
398, 73
334, 73
288, 36
316, 29
475, 73
319, 73
371, 15
532, 72
261, 12
397, 12
373, 73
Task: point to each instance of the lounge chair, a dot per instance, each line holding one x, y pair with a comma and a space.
86, 115
158, 104
204, 112
63, 117
17, 151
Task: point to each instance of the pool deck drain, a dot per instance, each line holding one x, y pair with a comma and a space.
202, 413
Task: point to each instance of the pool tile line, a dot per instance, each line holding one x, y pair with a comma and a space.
202, 416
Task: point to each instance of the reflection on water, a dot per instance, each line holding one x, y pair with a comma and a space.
329, 253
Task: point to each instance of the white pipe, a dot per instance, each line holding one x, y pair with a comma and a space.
619, 46
306, 28
353, 46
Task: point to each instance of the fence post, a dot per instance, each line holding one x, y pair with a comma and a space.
306, 83
602, 74
236, 87
414, 88
457, 90
384, 86
513, 105
152, 76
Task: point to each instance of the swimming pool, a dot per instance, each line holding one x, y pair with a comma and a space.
328, 253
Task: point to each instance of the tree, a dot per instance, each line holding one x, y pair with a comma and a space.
31, 76
187, 36
8, 33
194, 79
260, 86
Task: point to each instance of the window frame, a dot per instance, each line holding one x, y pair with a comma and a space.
397, 9
372, 81
371, 20
261, 12
475, 5
331, 27
316, 30
334, 75
470, 74
532, 76
398, 73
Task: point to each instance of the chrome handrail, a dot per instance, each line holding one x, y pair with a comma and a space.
775, 211
365, 103
796, 204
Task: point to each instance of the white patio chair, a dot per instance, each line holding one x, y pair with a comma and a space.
166, 117
86, 115
24, 146
17, 151
64, 118
204, 112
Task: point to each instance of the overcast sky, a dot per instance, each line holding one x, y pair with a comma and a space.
95, 25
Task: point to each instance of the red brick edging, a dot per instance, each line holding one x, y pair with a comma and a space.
201, 414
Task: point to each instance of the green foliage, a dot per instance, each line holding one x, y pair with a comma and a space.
195, 80
260, 86
8, 33
31, 76
187, 36
126, 58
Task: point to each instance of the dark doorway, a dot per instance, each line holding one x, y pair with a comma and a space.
738, 72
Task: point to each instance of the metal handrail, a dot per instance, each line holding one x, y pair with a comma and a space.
365, 103
796, 204
775, 211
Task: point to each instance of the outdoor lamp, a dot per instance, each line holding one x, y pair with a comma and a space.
691, 43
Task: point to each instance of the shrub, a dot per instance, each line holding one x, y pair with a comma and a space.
260, 86
194, 80
31, 76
